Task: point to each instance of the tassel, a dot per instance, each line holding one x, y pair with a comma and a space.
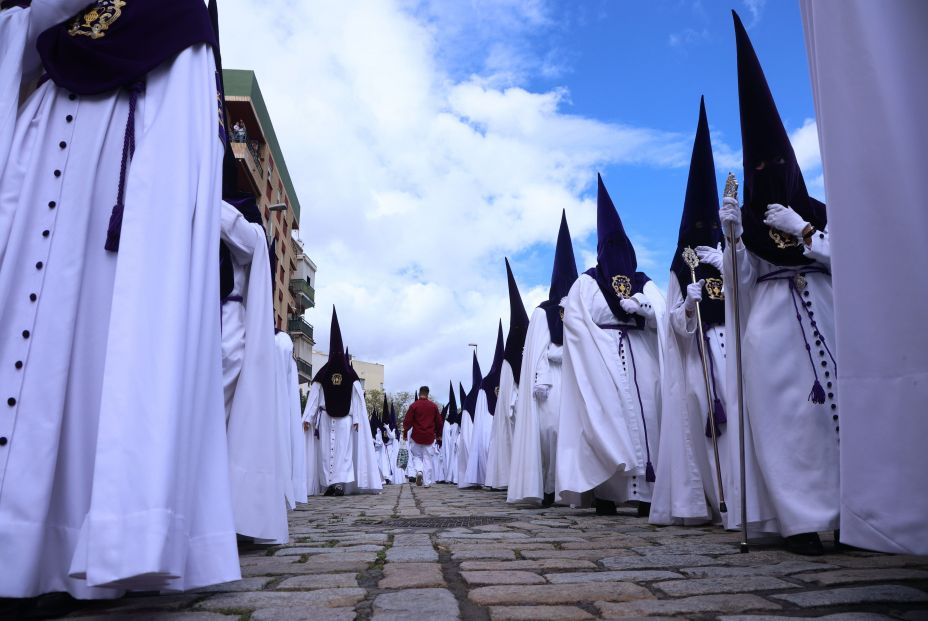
114, 229
649, 473
720, 419
818, 393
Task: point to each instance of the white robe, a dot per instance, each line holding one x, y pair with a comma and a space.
533, 461
794, 440
881, 186
449, 434
14, 28
344, 451
476, 470
288, 404
686, 490
463, 447
120, 479
500, 451
250, 357
609, 385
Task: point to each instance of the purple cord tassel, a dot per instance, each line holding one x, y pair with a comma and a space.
649, 473
817, 395
114, 230
720, 419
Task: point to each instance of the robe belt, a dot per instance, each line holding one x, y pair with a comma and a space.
718, 408
791, 276
623, 335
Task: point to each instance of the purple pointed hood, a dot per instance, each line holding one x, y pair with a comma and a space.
563, 276
518, 327
699, 225
616, 270
771, 170
336, 376
490, 383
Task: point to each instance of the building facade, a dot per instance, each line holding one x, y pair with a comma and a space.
262, 170
370, 373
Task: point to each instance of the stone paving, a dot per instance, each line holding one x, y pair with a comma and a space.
369, 557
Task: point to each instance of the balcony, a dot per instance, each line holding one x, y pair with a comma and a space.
247, 153
304, 370
303, 292
298, 326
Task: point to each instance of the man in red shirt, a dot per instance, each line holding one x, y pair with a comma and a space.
424, 421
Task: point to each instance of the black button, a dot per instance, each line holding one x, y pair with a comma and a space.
69, 118
834, 407
805, 293
829, 384
11, 402
62, 144
831, 395
836, 429
821, 236
821, 353
819, 343
52, 204
57, 173
39, 265
827, 373
72, 96
834, 417
3, 441
824, 364
18, 364
811, 313
45, 233
25, 334
33, 297
808, 303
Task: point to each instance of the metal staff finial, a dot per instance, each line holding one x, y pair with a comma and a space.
692, 260
731, 191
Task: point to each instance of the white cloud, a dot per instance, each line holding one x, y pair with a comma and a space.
418, 173
805, 144
688, 36
756, 9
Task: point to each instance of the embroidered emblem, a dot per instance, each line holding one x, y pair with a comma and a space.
496, 391
336, 379
714, 289
782, 240
622, 285
96, 19
800, 281
560, 311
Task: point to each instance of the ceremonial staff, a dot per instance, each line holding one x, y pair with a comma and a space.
731, 191
690, 258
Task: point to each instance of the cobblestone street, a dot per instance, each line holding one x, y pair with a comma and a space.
443, 553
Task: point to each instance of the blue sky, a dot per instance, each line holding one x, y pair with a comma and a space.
428, 139
647, 64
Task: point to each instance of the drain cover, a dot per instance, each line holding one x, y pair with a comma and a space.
448, 522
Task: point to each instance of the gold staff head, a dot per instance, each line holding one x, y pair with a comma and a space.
731, 186
690, 258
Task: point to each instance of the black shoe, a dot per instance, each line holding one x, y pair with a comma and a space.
548, 500
604, 507
806, 544
338, 491
329, 490
644, 509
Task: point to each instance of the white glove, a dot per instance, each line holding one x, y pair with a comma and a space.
693, 295
785, 219
710, 256
540, 391
730, 214
634, 307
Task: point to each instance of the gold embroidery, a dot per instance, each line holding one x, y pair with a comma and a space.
622, 285
496, 391
94, 21
714, 289
782, 240
560, 311
336, 379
